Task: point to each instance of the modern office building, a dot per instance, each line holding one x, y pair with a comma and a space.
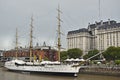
99, 35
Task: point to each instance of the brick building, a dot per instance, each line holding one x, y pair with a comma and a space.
39, 52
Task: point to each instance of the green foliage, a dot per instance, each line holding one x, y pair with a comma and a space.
46, 59
112, 53
92, 53
63, 55
117, 62
74, 53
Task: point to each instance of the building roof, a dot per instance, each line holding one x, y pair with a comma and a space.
107, 26
78, 31
99, 25
104, 25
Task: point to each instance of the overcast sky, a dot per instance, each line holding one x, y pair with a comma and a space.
76, 14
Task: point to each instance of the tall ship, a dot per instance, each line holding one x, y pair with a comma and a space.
53, 67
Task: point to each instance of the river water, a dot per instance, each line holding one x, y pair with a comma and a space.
7, 75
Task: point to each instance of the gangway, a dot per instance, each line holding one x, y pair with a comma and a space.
94, 56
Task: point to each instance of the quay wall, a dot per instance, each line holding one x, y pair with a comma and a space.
110, 71
1, 64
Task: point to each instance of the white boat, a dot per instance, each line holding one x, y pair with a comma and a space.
44, 66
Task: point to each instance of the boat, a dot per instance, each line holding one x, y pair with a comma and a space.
52, 67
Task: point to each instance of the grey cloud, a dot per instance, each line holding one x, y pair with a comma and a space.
75, 14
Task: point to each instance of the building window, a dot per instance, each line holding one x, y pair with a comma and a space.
107, 40
113, 39
117, 39
110, 39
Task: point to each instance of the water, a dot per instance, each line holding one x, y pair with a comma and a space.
7, 75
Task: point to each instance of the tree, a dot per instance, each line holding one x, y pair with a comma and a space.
92, 53
63, 55
112, 53
117, 62
74, 53
117, 54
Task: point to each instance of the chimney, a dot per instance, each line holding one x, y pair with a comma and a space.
101, 22
88, 26
108, 21
44, 44
37, 44
95, 23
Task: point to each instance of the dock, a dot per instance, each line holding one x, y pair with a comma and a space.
101, 70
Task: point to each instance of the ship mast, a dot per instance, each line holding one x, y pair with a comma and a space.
59, 33
31, 37
16, 44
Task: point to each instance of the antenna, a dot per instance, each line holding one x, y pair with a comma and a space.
99, 11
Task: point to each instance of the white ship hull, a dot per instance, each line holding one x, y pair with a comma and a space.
61, 69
